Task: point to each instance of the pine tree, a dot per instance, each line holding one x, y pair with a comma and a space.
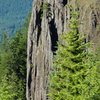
5, 55
13, 66
13, 54
5, 41
6, 90
73, 76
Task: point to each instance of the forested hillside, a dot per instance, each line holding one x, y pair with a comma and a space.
13, 14
55, 54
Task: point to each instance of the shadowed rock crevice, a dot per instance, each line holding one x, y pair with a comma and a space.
30, 80
35, 80
94, 21
30, 69
54, 35
38, 23
65, 2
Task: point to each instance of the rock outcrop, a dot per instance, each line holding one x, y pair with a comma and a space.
49, 19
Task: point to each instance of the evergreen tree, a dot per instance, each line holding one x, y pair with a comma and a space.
13, 56
5, 55
73, 76
6, 90
5, 41
97, 58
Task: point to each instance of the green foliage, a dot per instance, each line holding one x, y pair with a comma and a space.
13, 54
45, 6
4, 42
44, 9
97, 58
74, 74
5, 55
6, 91
17, 70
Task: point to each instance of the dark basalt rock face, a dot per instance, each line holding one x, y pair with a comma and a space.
49, 19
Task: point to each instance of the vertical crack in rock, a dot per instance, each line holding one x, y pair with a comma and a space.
30, 80
54, 35
35, 81
30, 70
94, 21
65, 2
38, 23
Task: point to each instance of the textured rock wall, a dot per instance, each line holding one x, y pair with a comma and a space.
90, 18
49, 19
42, 37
